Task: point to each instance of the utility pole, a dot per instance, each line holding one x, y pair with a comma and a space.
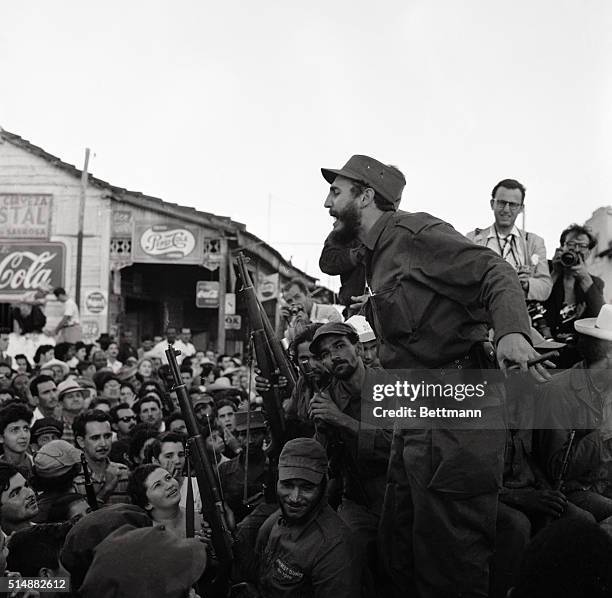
79, 256
222, 287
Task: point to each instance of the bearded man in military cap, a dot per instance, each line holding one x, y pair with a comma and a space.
430, 295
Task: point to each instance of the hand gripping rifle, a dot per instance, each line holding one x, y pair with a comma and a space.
212, 504
271, 360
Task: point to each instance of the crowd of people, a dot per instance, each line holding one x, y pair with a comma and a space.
96, 472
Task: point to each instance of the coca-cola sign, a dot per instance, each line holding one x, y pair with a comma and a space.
28, 266
162, 243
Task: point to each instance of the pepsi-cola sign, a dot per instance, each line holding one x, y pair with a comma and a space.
165, 242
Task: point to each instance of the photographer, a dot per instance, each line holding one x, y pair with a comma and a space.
576, 293
300, 309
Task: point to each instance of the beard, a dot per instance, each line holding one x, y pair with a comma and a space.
347, 226
343, 370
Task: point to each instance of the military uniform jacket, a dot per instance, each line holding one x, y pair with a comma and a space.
434, 292
309, 560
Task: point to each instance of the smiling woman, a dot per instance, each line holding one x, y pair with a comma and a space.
153, 488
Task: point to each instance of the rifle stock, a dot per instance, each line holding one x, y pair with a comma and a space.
212, 504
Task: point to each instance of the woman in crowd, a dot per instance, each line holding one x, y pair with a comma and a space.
153, 489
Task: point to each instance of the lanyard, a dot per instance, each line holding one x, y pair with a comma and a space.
508, 243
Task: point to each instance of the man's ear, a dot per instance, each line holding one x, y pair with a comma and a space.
492, 204
368, 197
78, 442
359, 349
45, 572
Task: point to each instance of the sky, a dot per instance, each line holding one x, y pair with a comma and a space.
233, 107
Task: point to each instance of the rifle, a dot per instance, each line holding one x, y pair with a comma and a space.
563, 469
565, 462
90, 492
271, 360
212, 504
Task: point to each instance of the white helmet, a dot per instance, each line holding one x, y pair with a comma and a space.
362, 328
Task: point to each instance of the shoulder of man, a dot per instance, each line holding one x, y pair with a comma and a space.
478, 234
416, 222
330, 527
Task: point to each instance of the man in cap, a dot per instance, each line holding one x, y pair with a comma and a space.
45, 430
250, 430
358, 451
72, 399
203, 406
580, 399
56, 465
88, 533
304, 548
431, 294
367, 338
145, 563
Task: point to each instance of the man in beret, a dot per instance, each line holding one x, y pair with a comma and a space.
304, 549
431, 293
56, 465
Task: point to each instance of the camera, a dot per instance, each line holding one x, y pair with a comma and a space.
296, 309
537, 313
569, 259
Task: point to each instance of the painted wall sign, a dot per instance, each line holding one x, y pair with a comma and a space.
25, 215
96, 302
29, 266
91, 330
268, 285
207, 293
162, 243
233, 322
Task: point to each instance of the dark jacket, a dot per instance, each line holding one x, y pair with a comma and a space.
346, 261
313, 559
434, 291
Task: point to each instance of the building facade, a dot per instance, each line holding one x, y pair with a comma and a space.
146, 263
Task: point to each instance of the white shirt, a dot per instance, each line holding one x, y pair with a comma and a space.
186, 349
115, 366
71, 311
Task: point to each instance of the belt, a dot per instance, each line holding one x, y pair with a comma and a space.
480, 356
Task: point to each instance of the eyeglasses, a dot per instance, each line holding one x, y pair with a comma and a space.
502, 204
574, 245
127, 418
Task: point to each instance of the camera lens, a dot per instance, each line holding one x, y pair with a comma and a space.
569, 259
